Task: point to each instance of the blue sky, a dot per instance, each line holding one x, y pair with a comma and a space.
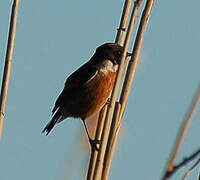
54, 39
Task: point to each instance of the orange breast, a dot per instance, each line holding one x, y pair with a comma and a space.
91, 97
100, 91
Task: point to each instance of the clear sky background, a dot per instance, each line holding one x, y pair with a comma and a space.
53, 39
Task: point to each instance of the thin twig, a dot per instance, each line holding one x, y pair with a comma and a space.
168, 174
190, 170
8, 62
170, 166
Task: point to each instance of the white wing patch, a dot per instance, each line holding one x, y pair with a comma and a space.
107, 66
91, 77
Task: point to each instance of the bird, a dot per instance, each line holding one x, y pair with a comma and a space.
88, 89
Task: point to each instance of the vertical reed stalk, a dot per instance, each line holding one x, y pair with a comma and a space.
93, 156
8, 62
109, 115
119, 39
127, 82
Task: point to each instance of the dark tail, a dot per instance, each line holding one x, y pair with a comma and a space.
57, 116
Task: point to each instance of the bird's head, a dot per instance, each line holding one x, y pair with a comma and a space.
111, 51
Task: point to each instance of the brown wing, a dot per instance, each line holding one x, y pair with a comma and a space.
76, 80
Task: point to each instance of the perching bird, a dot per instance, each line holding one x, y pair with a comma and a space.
88, 89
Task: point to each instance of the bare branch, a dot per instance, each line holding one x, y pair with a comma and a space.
168, 174
191, 169
170, 166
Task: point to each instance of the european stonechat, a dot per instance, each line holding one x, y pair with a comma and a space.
88, 89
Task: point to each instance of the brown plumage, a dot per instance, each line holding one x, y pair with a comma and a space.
87, 89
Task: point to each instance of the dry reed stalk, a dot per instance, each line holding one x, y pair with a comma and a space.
100, 158
111, 144
8, 62
127, 82
119, 39
93, 156
121, 31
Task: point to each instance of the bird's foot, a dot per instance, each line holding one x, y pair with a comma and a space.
129, 54
94, 143
108, 101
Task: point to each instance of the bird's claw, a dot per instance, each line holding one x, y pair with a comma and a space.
108, 101
129, 54
94, 143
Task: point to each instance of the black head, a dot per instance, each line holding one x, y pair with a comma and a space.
111, 51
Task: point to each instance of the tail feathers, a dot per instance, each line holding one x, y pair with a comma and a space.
56, 118
49, 127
